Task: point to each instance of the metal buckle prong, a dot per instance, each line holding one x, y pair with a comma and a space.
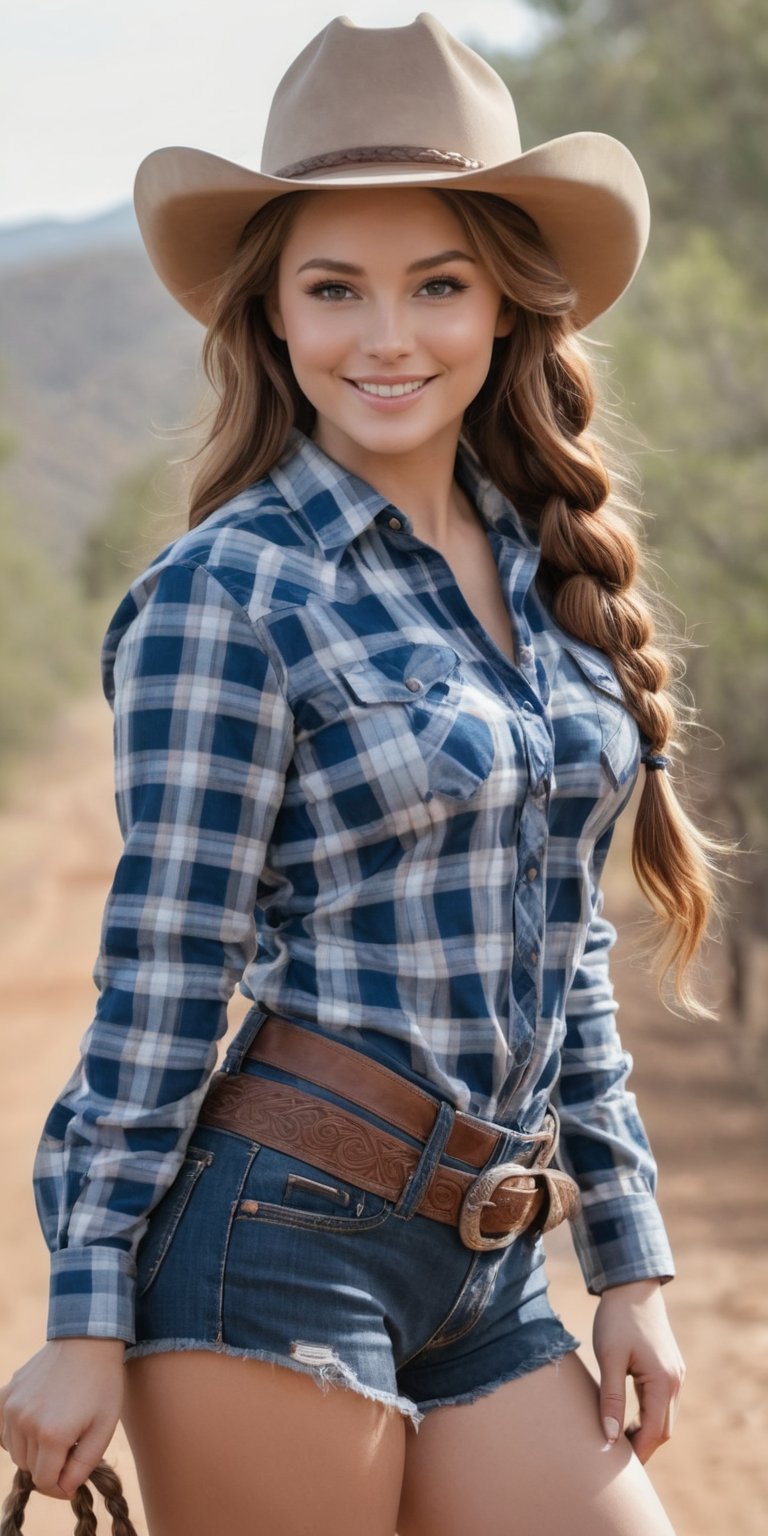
479, 1195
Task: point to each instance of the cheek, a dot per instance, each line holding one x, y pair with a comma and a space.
315, 339
463, 337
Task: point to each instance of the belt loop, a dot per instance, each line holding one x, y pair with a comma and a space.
233, 1058
434, 1147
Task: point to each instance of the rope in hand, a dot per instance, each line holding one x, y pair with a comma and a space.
104, 1478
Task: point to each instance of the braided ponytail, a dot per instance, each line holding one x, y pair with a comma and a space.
528, 426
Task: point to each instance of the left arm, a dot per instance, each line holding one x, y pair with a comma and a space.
619, 1234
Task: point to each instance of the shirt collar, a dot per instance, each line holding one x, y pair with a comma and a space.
340, 505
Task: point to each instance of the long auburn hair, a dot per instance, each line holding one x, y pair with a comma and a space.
528, 425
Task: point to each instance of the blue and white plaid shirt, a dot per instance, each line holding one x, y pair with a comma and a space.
336, 791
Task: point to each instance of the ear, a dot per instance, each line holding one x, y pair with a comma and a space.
506, 318
274, 317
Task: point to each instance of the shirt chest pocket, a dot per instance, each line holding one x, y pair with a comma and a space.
619, 732
399, 733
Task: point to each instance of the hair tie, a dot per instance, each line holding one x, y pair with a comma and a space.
655, 760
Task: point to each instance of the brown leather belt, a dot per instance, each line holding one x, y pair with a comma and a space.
512, 1197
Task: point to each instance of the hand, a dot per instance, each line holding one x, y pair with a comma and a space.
631, 1336
59, 1412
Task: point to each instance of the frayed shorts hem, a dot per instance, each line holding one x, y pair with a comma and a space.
326, 1371
333, 1372
532, 1363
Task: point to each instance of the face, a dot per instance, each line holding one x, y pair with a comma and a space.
361, 296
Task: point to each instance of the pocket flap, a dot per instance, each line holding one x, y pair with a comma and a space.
391, 675
596, 667
621, 734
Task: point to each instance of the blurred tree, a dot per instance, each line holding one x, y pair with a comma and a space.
134, 529
685, 86
51, 624
43, 640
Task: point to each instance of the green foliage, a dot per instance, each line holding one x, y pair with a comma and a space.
132, 532
51, 625
8, 444
45, 650
692, 338
8, 439
685, 86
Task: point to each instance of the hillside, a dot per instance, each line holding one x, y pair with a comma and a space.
95, 362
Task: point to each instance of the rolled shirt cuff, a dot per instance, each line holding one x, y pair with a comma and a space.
92, 1294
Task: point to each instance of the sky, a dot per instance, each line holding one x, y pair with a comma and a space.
92, 86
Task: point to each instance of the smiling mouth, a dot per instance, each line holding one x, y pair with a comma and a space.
390, 391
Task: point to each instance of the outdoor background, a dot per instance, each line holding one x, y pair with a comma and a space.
99, 379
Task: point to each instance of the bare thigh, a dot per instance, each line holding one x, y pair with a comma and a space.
223, 1443
526, 1458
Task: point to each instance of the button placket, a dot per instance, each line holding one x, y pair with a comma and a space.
529, 895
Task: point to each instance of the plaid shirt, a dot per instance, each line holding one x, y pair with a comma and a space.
337, 792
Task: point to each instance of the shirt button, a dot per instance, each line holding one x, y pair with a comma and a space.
394, 522
527, 706
532, 872
534, 957
526, 654
413, 683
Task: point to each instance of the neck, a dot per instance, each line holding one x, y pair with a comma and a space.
420, 483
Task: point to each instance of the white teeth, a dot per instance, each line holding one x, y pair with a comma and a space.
391, 389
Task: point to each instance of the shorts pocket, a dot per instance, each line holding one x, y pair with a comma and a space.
165, 1218
286, 1191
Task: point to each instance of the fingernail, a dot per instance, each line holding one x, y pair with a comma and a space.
611, 1427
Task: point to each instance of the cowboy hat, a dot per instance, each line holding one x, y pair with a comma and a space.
407, 106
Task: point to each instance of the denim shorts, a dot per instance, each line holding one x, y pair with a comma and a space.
255, 1253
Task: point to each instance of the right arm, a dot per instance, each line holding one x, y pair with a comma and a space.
203, 736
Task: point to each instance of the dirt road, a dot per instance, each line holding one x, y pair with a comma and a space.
59, 842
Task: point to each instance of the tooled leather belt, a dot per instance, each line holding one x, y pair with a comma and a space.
510, 1197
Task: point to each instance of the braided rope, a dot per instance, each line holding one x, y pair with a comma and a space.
373, 154
104, 1478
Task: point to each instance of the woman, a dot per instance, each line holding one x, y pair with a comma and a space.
376, 715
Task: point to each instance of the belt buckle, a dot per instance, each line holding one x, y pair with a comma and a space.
478, 1196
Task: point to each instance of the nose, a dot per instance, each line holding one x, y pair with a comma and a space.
388, 334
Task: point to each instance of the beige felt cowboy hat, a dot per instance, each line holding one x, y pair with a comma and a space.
397, 106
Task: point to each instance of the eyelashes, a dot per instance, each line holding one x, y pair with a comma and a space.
454, 283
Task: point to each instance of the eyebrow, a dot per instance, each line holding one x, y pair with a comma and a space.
416, 266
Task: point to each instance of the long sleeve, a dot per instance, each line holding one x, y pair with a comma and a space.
619, 1234
202, 739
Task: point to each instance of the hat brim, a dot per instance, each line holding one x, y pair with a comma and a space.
585, 192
